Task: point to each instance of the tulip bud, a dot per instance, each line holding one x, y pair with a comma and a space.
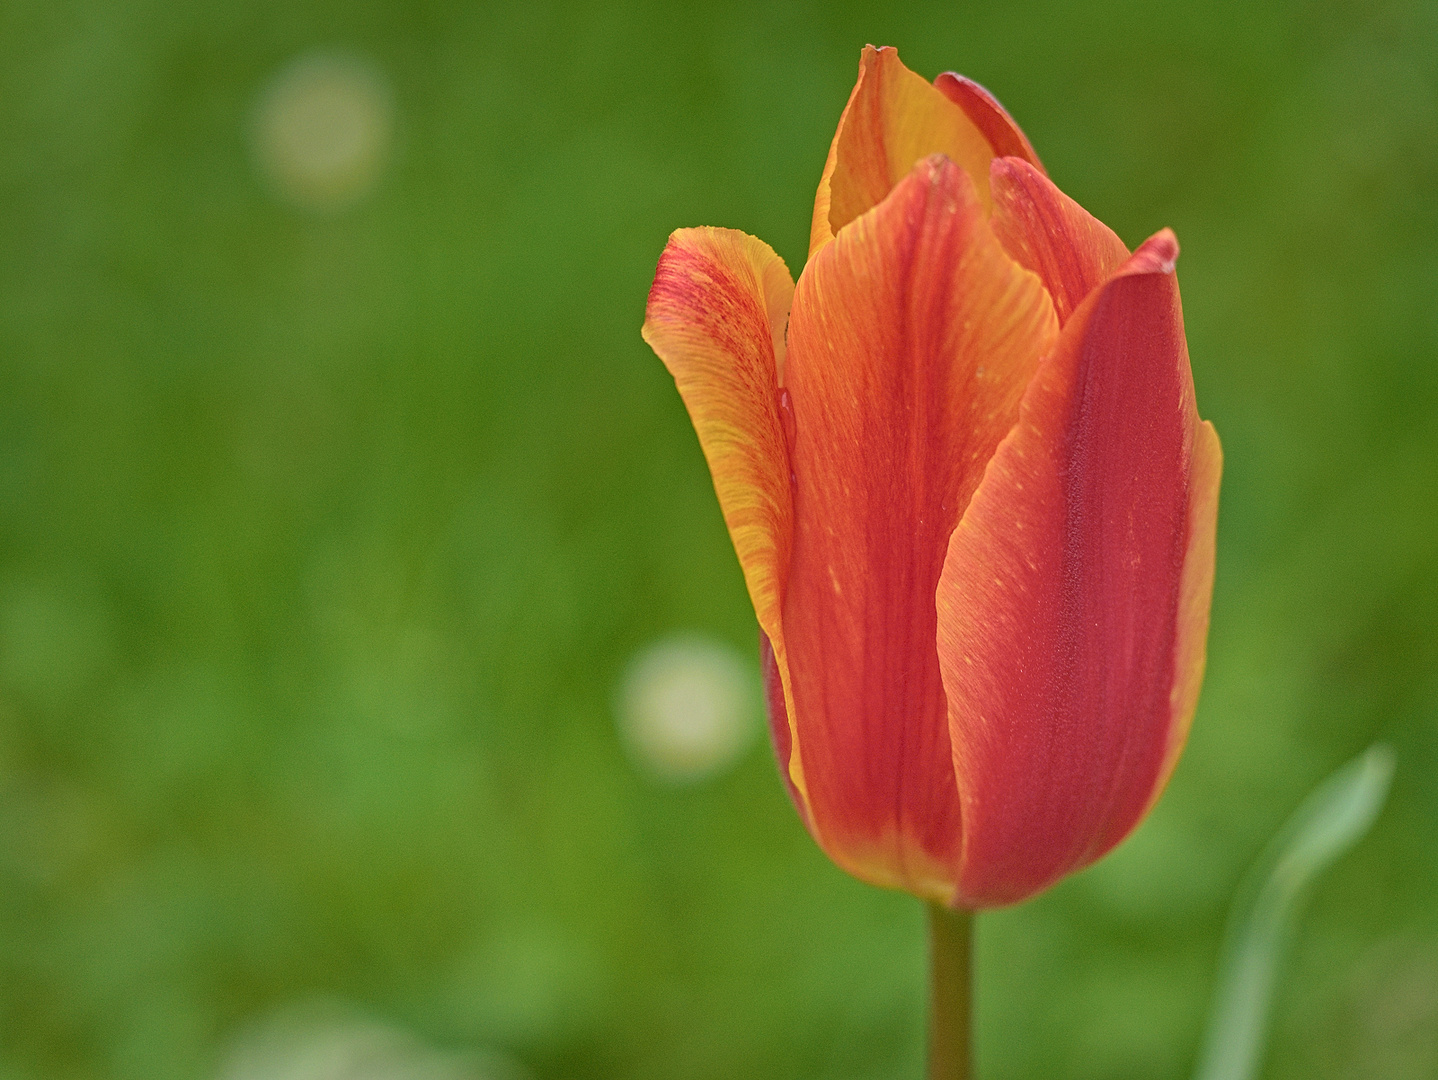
969, 489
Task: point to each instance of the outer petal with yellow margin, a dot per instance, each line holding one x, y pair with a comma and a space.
716, 317
1073, 601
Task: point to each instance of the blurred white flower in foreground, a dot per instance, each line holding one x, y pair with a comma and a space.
688, 708
322, 129
323, 1041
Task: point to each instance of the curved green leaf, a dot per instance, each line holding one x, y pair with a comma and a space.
1330, 821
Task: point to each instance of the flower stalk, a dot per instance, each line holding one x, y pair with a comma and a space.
951, 937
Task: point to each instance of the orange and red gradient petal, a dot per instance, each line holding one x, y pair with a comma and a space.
1004, 136
912, 338
1074, 595
716, 317
894, 118
1046, 231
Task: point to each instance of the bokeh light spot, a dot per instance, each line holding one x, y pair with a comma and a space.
323, 127
326, 1041
688, 708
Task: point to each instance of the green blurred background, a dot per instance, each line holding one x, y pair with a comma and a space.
331, 517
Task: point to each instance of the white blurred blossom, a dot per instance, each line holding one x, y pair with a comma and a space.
323, 1041
322, 129
688, 708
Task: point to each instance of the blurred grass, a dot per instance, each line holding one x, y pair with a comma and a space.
324, 539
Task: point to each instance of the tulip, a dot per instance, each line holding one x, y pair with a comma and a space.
966, 480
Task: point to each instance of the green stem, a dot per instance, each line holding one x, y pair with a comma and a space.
950, 992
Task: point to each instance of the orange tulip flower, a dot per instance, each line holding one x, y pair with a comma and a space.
966, 479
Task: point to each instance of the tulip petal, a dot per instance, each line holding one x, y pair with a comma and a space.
912, 338
894, 117
1004, 136
1074, 595
780, 729
1195, 591
1050, 234
716, 316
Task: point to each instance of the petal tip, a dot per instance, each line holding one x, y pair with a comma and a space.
1156, 255
1012, 167
876, 54
987, 114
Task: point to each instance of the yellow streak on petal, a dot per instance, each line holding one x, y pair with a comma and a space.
1194, 592
879, 865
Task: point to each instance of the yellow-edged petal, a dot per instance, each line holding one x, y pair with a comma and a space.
1195, 592
716, 316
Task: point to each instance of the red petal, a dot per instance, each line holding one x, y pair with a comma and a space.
716, 317
1052, 235
912, 338
893, 119
1004, 136
1075, 593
